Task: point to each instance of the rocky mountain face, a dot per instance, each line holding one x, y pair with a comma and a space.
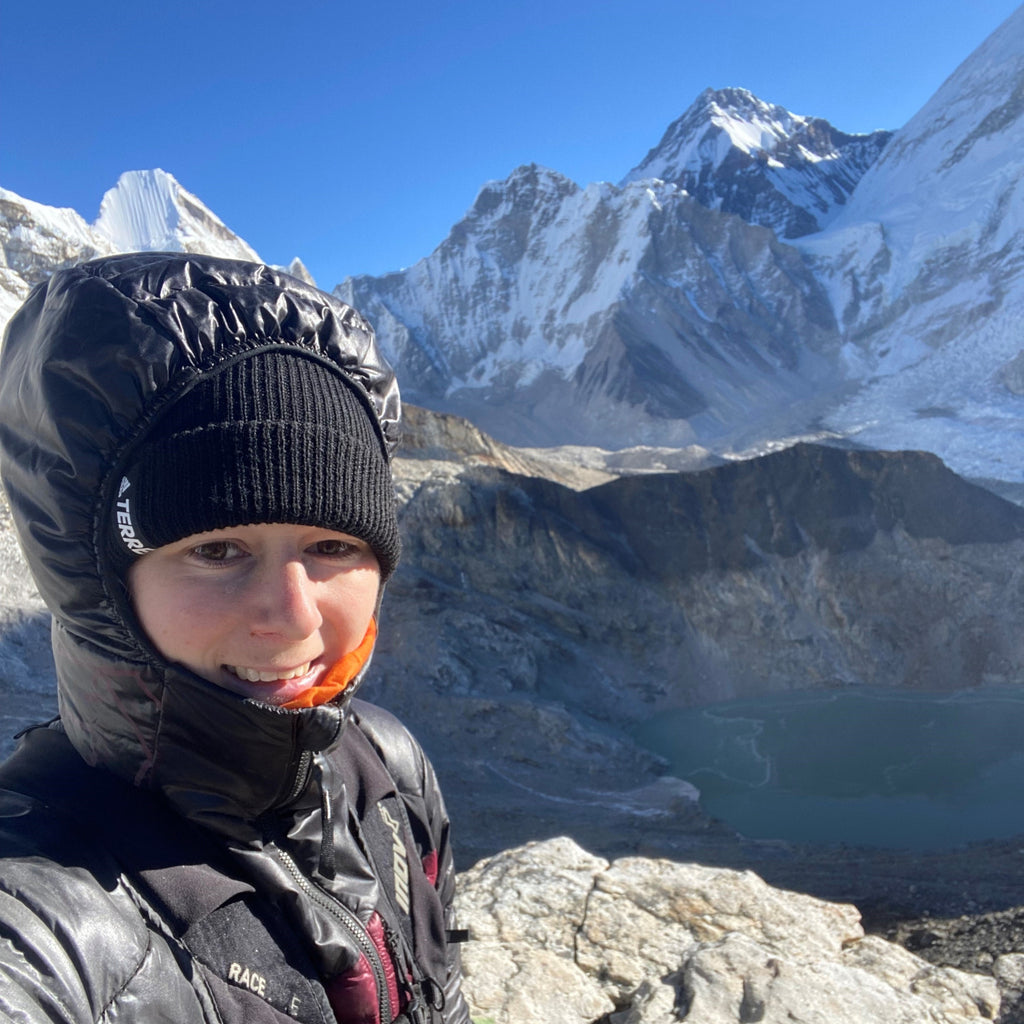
733, 152
558, 934
536, 618
603, 316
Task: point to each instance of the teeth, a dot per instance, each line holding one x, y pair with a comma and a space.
253, 675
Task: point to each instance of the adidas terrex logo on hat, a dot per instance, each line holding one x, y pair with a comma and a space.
123, 515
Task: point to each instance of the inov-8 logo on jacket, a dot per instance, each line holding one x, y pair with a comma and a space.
399, 861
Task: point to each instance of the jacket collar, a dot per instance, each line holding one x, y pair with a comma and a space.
222, 760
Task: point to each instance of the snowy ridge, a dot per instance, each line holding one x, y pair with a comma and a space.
948, 187
515, 284
718, 122
959, 153
923, 268
542, 290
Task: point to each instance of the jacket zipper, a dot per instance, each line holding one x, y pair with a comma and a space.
352, 925
415, 1008
301, 776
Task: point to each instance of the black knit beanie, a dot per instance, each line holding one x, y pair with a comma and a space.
272, 437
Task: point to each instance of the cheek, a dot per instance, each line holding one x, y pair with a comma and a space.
178, 624
351, 606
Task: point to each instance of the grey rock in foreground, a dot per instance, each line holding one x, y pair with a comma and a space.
559, 934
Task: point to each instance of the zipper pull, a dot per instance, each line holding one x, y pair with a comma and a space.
424, 997
412, 1014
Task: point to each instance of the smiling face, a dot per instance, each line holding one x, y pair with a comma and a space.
262, 610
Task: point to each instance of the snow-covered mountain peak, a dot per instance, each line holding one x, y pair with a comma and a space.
299, 269
524, 188
150, 211
598, 313
718, 121
721, 121
735, 152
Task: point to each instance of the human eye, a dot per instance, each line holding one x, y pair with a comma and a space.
216, 552
335, 548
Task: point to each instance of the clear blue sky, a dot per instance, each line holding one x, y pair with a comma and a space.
354, 135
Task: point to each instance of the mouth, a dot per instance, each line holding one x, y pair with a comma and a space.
255, 675
271, 686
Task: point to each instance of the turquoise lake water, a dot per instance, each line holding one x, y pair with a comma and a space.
869, 767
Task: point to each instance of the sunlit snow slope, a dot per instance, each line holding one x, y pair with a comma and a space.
923, 268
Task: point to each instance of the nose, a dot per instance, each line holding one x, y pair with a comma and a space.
285, 604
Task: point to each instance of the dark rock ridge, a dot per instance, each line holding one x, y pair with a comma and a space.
530, 624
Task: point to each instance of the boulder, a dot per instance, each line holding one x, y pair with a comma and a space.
561, 935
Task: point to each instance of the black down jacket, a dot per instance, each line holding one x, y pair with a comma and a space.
170, 851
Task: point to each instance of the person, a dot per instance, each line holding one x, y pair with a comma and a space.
196, 453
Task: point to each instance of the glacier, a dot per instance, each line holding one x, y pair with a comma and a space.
923, 268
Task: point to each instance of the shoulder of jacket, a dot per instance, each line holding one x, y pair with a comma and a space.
73, 927
395, 745
48, 860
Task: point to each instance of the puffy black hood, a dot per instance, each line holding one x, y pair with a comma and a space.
87, 364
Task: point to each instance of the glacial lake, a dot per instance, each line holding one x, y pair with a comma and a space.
868, 767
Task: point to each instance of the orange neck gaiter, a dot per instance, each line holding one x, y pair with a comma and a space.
339, 675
